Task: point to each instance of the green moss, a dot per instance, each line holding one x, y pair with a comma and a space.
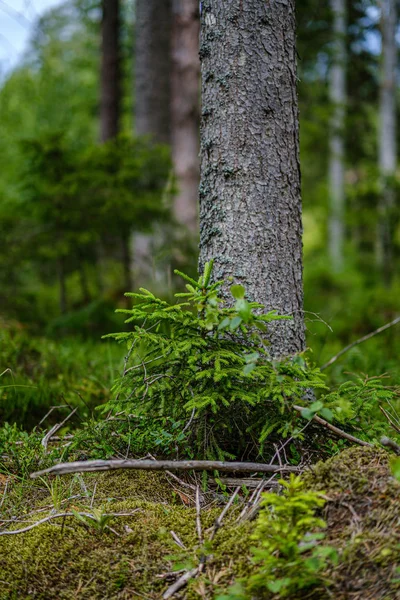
362, 513
74, 561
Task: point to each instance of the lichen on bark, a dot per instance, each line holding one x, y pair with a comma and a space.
250, 204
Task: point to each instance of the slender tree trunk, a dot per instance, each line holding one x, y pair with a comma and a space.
185, 98
250, 203
337, 92
127, 263
62, 285
387, 136
83, 279
110, 70
153, 69
153, 100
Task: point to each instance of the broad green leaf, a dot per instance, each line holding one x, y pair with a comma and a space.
235, 323
238, 291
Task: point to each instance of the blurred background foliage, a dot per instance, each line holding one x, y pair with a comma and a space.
69, 206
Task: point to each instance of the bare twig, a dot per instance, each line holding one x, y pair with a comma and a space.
177, 540
164, 465
180, 583
63, 516
55, 428
336, 430
4, 494
360, 341
50, 411
218, 521
393, 424
249, 482
385, 441
198, 516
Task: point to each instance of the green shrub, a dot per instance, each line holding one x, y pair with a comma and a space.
204, 365
288, 555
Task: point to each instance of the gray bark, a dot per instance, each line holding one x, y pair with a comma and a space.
250, 203
110, 71
185, 99
337, 92
387, 134
153, 69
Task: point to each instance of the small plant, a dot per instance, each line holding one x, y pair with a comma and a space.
98, 519
289, 556
203, 365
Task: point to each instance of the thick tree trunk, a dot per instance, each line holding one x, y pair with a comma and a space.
337, 92
387, 136
153, 69
110, 71
250, 204
185, 98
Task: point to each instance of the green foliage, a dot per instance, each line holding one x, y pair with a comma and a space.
288, 556
204, 364
41, 373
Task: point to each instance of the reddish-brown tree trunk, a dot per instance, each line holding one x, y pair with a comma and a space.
185, 100
110, 70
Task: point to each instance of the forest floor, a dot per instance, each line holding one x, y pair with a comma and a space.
153, 536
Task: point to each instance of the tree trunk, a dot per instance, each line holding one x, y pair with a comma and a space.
153, 100
62, 285
127, 263
337, 92
387, 136
185, 97
83, 280
110, 71
250, 203
153, 69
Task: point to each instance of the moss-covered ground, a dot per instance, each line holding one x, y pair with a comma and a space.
134, 556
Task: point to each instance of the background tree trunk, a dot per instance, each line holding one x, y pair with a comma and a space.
153, 69
153, 100
387, 136
250, 204
185, 97
110, 70
337, 93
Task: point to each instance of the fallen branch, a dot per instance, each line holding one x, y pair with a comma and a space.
385, 441
360, 341
163, 465
182, 581
336, 430
56, 428
63, 516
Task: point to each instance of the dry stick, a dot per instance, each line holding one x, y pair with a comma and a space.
177, 540
336, 430
55, 428
385, 441
64, 515
182, 581
50, 411
4, 494
393, 424
359, 341
218, 522
198, 516
163, 465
